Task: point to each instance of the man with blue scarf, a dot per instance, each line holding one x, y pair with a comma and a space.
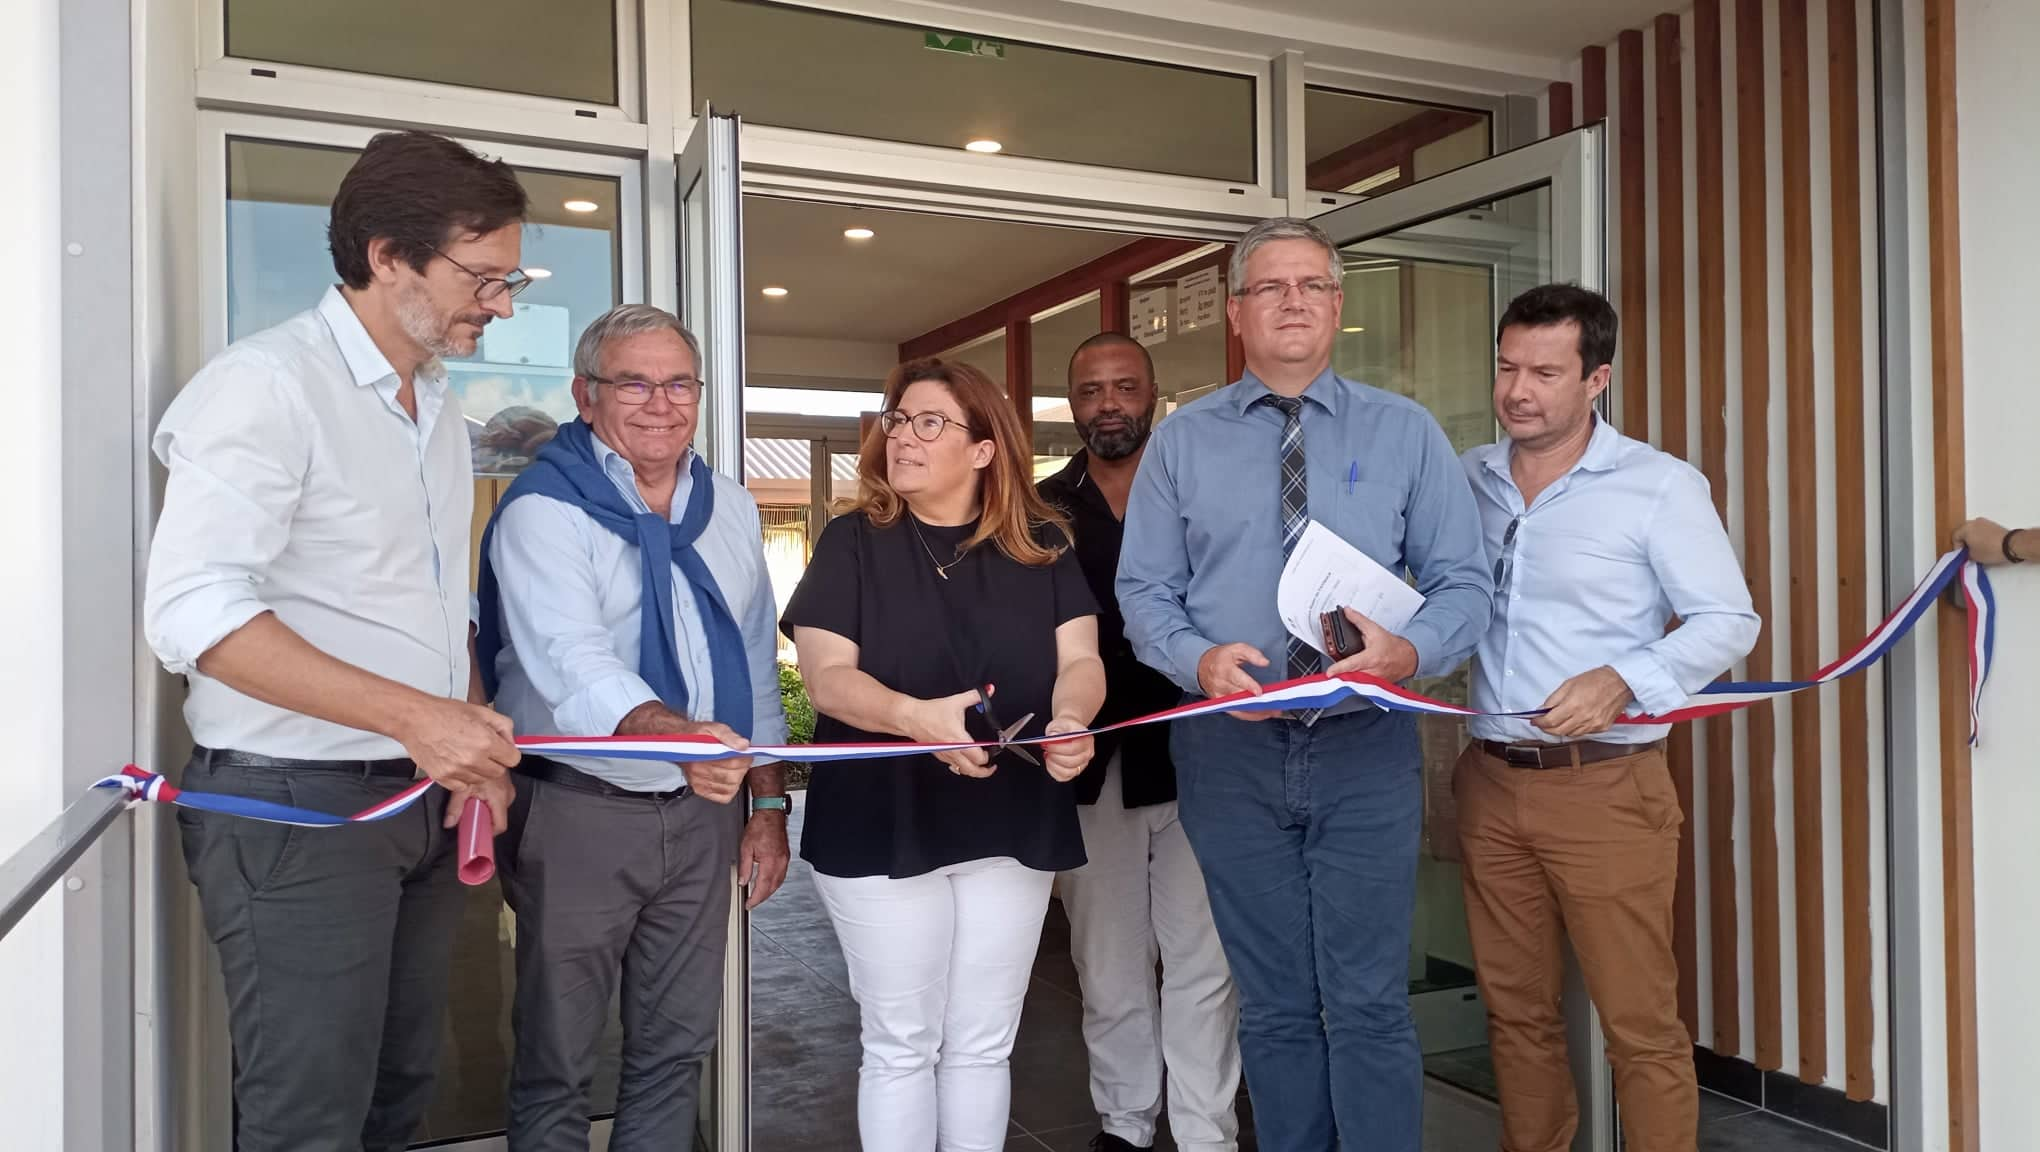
624, 591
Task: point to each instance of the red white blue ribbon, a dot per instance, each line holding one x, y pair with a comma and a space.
1313, 692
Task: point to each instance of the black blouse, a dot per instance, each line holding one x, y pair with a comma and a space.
909, 815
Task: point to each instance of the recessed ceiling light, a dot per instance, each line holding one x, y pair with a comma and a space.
1355, 328
538, 273
580, 206
859, 233
985, 146
775, 291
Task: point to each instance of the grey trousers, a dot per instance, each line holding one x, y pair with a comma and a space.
335, 944
609, 887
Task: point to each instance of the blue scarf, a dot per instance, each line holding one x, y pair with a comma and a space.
568, 470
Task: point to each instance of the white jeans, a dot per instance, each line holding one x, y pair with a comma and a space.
1141, 892
939, 966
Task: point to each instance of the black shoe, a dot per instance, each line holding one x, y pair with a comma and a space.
1107, 1142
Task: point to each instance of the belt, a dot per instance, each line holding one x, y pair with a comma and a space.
553, 772
402, 768
1569, 755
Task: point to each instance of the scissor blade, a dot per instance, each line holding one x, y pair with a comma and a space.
1006, 735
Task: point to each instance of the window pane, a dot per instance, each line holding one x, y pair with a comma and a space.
987, 354
795, 67
1179, 315
514, 389
1364, 145
560, 48
1054, 337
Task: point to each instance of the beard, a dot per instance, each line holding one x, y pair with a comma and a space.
422, 323
1117, 443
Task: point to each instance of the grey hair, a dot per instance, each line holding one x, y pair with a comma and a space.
621, 323
1281, 228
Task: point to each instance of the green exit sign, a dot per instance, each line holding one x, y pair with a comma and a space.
963, 45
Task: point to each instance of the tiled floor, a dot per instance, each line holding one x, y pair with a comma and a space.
805, 1051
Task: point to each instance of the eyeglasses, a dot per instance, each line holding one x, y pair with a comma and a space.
928, 426
682, 393
1316, 290
490, 287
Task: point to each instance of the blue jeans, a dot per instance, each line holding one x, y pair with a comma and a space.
1308, 841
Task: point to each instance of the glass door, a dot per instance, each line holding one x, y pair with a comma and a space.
712, 306
1428, 270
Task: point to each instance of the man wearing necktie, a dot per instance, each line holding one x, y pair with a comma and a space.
1306, 824
624, 591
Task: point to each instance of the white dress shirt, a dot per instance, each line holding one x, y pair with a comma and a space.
570, 592
299, 486
1597, 567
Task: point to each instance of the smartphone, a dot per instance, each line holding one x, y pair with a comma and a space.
1341, 638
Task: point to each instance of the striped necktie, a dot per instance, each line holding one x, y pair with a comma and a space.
1303, 659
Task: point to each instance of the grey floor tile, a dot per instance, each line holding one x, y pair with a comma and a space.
1763, 1132
1052, 1016
1022, 1142
1051, 1086
1456, 1121
1077, 1138
1714, 1107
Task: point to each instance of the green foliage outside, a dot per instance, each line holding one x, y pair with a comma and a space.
800, 720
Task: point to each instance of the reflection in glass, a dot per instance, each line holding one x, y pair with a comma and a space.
1054, 336
792, 66
1419, 320
514, 389
1366, 145
560, 48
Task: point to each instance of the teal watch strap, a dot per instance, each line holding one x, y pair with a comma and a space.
771, 804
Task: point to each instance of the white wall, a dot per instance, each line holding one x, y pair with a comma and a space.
1997, 91
31, 585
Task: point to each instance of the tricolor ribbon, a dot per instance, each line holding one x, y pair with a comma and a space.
1311, 692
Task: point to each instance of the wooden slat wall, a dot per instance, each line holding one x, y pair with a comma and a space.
1852, 613
1944, 272
1754, 297
1803, 540
1778, 335
1713, 335
1670, 158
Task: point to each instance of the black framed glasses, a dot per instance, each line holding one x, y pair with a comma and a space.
684, 392
491, 287
928, 426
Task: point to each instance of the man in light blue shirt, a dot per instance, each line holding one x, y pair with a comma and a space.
625, 592
1306, 826
1569, 821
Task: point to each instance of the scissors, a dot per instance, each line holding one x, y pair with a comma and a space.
1005, 732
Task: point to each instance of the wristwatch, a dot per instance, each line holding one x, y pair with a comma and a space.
771, 804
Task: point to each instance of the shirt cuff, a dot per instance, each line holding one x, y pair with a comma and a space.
1429, 641
1183, 651
597, 709
1650, 681
201, 619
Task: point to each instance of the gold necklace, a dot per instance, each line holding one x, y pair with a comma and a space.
941, 569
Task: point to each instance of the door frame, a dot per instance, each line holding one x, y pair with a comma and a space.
1572, 166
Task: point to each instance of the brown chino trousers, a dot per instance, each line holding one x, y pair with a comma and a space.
1592, 852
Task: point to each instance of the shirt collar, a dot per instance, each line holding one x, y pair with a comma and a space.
624, 476
1604, 452
366, 362
1323, 389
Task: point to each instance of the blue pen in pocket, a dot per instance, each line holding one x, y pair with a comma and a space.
1352, 476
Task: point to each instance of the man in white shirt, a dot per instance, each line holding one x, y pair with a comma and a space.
624, 592
1568, 821
309, 578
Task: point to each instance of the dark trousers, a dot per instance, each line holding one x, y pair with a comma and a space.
335, 944
1308, 841
608, 888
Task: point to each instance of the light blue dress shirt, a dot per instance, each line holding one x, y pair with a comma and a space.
1203, 550
570, 596
1600, 563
